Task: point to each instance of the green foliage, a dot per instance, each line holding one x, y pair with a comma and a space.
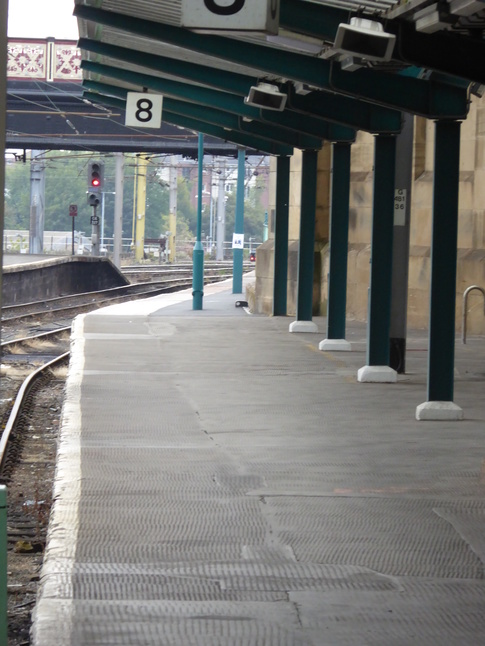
17, 196
254, 214
185, 210
66, 183
157, 205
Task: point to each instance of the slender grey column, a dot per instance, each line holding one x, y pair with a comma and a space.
37, 201
441, 354
280, 284
221, 211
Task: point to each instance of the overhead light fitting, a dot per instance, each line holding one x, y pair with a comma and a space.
431, 19
266, 96
364, 39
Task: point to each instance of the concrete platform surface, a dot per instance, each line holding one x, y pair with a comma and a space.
222, 482
26, 258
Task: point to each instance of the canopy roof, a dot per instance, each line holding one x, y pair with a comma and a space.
140, 45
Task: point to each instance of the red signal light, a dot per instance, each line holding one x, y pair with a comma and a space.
95, 182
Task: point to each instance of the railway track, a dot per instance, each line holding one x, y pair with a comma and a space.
25, 316
31, 409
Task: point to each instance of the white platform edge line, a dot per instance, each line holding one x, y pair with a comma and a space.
64, 521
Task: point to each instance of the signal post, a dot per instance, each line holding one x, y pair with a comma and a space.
95, 189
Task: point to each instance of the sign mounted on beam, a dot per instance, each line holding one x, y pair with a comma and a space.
231, 15
143, 110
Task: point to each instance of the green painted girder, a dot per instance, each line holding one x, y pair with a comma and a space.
227, 81
349, 113
291, 126
103, 99
443, 51
416, 96
241, 139
226, 120
326, 103
430, 102
316, 20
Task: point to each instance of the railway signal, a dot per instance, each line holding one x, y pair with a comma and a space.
95, 182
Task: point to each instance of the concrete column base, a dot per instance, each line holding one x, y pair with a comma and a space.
439, 411
303, 326
335, 345
377, 374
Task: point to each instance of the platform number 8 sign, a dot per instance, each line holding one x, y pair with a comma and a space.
143, 110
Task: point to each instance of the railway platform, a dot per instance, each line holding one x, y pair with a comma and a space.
222, 482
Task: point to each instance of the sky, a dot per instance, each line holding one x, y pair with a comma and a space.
41, 19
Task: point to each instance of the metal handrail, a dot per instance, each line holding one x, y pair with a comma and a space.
465, 310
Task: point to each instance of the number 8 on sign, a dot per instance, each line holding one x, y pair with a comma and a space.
143, 110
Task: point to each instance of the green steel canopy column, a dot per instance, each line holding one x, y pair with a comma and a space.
339, 237
198, 253
400, 252
280, 280
306, 252
379, 309
237, 271
441, 353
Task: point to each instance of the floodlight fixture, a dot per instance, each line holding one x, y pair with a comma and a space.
364, 39
266, 96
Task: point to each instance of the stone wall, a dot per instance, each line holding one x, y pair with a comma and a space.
50, 278
471, 231
265, 252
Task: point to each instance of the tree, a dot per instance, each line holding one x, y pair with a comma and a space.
185, 210
254, 213
157, 205
66, 183
17, 196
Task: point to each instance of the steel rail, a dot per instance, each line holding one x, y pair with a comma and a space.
149, 289
18, 405
25, 339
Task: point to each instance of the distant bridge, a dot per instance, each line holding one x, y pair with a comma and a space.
46, 110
